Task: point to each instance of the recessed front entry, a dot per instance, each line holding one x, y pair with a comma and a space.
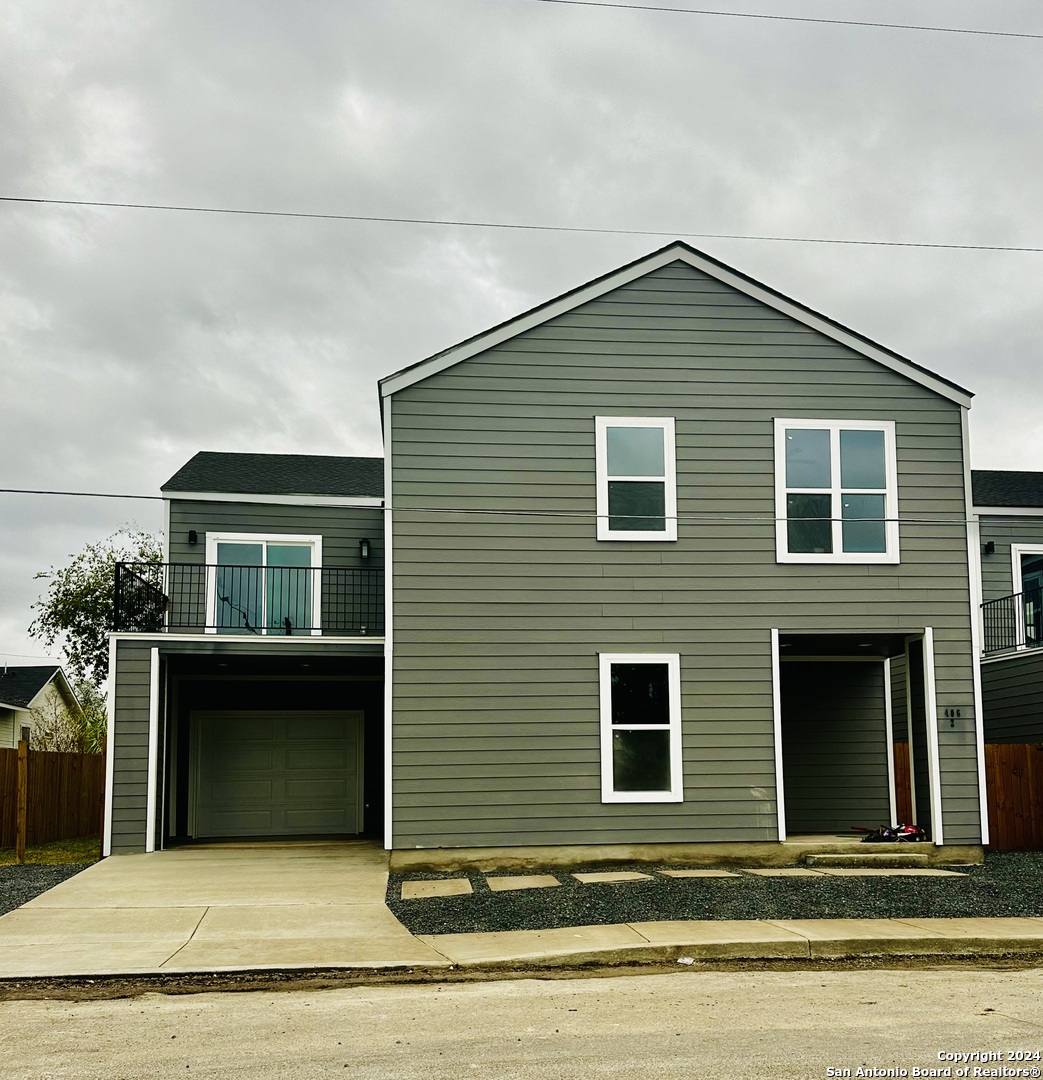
835, 746
259, 773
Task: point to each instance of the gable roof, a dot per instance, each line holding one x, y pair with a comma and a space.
19, 685
678, 251
1001, 487
279, 474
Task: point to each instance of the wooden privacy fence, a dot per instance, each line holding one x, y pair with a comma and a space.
1014, 785
1014, 779
64, 796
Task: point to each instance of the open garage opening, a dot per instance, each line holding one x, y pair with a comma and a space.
271, 747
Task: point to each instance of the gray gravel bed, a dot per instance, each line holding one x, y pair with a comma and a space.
1010, 883
20, 884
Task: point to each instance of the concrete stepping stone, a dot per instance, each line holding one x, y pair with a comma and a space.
508, 883
419, 890
607, 877
698, 873
786, 871
881, 871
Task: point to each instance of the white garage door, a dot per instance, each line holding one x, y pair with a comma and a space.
276, 773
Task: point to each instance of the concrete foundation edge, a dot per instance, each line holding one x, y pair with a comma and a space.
756, 854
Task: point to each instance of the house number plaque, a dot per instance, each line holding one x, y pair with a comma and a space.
955, 718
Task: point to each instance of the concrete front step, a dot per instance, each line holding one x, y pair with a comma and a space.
884, 860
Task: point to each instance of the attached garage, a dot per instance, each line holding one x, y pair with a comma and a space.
276, 773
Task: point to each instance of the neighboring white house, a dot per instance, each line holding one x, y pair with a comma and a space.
34, 697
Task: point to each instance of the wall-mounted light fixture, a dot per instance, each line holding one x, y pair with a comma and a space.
990, 547
193, 536
363, 549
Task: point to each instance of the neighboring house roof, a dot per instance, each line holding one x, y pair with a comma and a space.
675, 252
280, 474
20, 686
997, 487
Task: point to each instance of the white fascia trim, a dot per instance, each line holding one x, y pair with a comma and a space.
776, 719
668, 480
275, 500
274, 639
110, 748
152, 786
933, 755
676, 253
1009, 511
977, 628
673, 665
1011, 654
837, 557
389, 629
889, 730
14, 708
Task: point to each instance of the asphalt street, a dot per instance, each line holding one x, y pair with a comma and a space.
689, 1024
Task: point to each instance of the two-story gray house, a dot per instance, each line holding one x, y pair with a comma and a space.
661, 568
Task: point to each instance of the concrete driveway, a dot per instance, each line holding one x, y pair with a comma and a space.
217, 907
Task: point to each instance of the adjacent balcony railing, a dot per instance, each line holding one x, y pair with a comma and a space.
262, 600
1013, 622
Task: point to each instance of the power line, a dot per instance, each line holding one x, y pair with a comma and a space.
578, 515
519, 226
81, 494
792, 18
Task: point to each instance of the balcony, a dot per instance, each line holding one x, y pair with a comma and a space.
247, 600
1013, 622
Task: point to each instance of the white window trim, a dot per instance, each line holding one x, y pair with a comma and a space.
666, 425
838, 555
315, 542
1017, 580
673, 663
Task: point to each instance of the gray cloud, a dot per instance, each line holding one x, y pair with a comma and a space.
130, 339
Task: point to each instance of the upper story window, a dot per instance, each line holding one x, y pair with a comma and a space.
263, 584
836, 491
636, 485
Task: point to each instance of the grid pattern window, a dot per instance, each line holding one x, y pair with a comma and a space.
263, 584
640, 728
836, 491
636, 484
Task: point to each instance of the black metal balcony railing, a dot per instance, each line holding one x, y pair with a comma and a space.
268, 600
1013, 622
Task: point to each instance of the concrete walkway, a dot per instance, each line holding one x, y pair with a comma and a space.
258, 907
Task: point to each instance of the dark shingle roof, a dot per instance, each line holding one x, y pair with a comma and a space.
1003, 488
280, 474
19, 685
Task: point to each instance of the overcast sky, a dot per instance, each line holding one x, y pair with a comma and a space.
130, 339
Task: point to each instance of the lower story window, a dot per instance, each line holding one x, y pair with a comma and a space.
640, 727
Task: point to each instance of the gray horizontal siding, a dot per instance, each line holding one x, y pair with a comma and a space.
997, 570
835, 750
1012, 697
499, 616
341, 528
130, 746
